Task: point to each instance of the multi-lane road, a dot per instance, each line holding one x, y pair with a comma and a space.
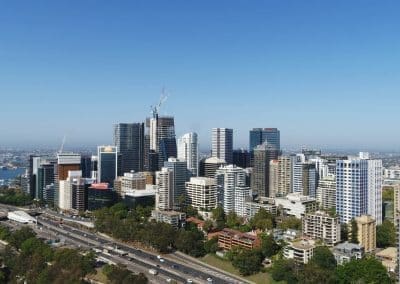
180, 270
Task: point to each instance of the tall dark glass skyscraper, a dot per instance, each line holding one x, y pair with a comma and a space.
260, 135
129, 139
107, 164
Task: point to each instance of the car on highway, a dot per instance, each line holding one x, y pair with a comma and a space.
209, 280
162, 260
189, 281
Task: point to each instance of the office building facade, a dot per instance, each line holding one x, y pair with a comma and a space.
129, 140
222, 144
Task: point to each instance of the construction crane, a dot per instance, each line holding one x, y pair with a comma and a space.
155, 109
62, 144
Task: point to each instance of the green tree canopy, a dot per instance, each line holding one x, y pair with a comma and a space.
262, 220
268, 246
324, 258
290, 222
385, 234
219, 217
366, 270
248, 262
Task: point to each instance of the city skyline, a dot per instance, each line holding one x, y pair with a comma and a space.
67, 70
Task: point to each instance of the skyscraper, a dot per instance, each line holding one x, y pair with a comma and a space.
162, 137
201, 193
129, 140
188, 150
222, 144
358, 189
263, 154
260, 135
241, 158
179, 177
107, 167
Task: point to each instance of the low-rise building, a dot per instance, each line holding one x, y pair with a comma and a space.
252, 207
174, 218
229, 238
388, 257
296, 204
319, 225
346, 251
300, 251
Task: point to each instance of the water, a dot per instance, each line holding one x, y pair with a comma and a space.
10, 174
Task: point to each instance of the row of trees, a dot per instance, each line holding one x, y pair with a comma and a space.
30, 260
133, 225
117, 274
322, 269
262, 220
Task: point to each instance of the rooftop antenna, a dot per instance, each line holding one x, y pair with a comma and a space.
156, 109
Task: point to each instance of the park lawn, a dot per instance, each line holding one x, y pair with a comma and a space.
259, 278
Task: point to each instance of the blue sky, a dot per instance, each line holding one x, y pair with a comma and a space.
326, 73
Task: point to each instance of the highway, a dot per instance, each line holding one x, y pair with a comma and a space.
179, 270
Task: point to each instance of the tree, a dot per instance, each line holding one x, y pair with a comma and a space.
248, 261
120, 275
290, 222
211, 246
354, 231
323, 258
262, 220
385, 234
219, 217
191, 242
388, 194
366, 270
18, 237
233, 220
208, 225
284, 270
268, 246
311, 273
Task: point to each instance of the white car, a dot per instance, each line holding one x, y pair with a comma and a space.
209, 280
169, 280
162, 260
189, 281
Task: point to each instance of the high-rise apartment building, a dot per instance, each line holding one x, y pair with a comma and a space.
107, 168
366, 232
222, 144
280, 176
201, 193
319, 225
188, 150
359, 189
326, 192
231, 183
67, 162
165, 189
129, 140
263, 154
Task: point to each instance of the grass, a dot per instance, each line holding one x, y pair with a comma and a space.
259, 278
99, 276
